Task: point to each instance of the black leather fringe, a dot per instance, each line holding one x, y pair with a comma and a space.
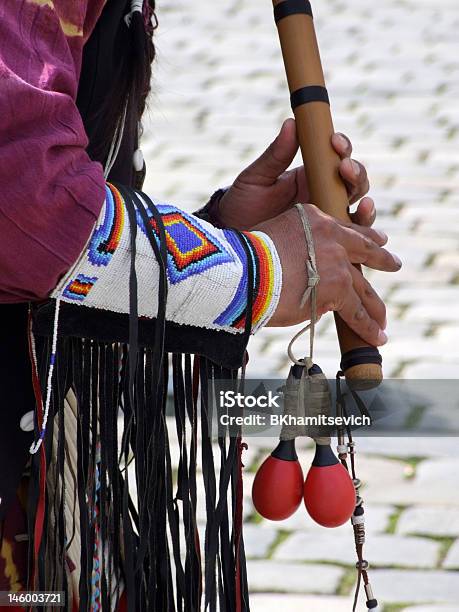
151, 544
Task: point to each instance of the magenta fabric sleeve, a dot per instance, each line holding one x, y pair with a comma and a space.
51, 192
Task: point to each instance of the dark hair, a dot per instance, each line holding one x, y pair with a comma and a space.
133, 82
143, 27
116, 70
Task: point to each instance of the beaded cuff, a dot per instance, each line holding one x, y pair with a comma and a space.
206, 270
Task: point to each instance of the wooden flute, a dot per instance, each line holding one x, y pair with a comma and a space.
360, 362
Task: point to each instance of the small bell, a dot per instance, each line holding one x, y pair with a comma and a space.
329, 493
278, 486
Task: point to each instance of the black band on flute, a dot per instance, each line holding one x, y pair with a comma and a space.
360, 356
292, 7
313, 93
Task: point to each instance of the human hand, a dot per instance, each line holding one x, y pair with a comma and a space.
266, 188
342, 288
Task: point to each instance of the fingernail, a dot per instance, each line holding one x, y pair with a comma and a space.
382, 337
286, 121
355, 167
385, 323
397, 260
382, 235
343, 140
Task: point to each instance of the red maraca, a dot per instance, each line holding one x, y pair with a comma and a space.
329, 493
278, 486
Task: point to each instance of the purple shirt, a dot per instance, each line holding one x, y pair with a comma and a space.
51, 192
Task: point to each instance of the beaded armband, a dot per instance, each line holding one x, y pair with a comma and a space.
206, 269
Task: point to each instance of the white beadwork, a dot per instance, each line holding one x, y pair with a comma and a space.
36, 445
188, 300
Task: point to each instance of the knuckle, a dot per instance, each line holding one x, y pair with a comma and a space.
275, 157
369, 292
325, 226
377, 305
372, 330
360, 314
339, 254
344, 279
368, 244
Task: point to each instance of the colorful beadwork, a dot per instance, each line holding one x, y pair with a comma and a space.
233, 315
264, 271
35, 446
79, 287
264, 275
207, 269
106, 237
191, 249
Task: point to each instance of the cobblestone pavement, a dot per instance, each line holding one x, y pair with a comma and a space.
393, 75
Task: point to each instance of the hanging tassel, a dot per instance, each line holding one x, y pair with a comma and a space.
138, 557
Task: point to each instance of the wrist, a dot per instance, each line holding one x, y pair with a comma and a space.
289, 241
211, 212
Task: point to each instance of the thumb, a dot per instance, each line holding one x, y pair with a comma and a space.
276, 159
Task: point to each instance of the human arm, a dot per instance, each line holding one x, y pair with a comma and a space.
207, 271
48, 219
52, 193
55, 196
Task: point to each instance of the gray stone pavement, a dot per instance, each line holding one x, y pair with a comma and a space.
393, 75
